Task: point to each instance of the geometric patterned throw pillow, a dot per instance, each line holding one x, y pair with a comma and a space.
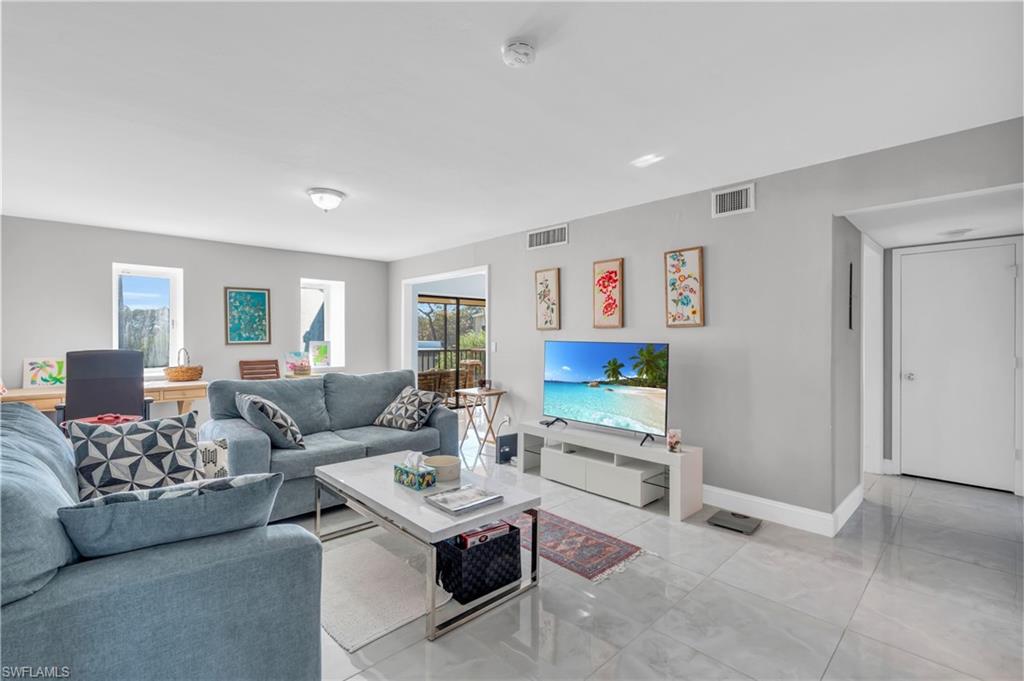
135, 456
271, 419
410, 410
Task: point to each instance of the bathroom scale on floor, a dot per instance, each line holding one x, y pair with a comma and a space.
737, 522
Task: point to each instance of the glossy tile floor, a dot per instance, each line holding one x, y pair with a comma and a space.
924, 582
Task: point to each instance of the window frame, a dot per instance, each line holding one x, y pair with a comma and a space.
176, 275
334, 319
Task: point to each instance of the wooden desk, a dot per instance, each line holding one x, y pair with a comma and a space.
182, 392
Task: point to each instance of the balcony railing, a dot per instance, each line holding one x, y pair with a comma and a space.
431, 359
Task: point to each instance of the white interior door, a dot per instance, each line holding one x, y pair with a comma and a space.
957, 328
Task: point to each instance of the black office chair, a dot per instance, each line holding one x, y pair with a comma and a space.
103, 382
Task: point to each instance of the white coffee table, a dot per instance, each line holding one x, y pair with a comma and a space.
369, 488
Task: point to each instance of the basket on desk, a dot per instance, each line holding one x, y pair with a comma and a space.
468, 574
186, 371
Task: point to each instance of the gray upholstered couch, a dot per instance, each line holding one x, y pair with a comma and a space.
335, 413
238, 605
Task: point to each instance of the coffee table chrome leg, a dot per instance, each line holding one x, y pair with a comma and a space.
358, 527
431, 574
534, 550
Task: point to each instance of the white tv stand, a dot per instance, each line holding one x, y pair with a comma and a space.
614, 466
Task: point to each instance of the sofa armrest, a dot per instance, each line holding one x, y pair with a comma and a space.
248, 446
241, 605
446, 422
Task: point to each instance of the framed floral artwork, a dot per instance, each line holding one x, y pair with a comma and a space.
608, 298
684, 287
548, 299
246, 316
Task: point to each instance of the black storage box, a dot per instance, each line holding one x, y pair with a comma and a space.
468, 574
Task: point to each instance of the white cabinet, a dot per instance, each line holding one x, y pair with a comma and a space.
614, 466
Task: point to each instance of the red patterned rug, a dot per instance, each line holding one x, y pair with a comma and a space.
587, 552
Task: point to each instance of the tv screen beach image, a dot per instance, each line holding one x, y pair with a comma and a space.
618, 385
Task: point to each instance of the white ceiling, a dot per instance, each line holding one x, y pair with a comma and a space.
985, 213
210, 120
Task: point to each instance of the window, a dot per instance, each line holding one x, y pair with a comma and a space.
322, 317
148, 313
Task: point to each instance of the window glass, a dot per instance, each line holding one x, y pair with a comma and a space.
144, 317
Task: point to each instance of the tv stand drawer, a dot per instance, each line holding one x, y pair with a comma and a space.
564, 468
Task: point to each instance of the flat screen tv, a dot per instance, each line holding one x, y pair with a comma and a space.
617, 385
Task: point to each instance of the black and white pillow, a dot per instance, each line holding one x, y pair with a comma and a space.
213, 454
135, 456
271, 419
410, 410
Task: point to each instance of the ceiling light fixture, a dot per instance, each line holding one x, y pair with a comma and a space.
517, 53
646, 160
326, 199
954, 233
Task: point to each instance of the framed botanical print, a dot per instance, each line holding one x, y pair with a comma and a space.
684, 287
246, 316
547, 295
608, 297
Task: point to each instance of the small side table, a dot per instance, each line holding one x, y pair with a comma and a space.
477, 398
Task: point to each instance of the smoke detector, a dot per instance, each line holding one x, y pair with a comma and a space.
517, 54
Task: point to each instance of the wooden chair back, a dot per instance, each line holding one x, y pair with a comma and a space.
258, 369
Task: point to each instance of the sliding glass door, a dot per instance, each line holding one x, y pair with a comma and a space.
451, 343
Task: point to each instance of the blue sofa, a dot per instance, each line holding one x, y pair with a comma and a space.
335, 413
239, 605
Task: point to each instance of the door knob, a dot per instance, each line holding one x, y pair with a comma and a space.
910, 376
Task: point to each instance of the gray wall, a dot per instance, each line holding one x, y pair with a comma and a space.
753, 387
846, 359
57, 294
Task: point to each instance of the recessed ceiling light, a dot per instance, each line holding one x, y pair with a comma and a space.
326, 199
646, 160
958, 232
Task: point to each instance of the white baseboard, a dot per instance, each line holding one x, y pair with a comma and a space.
846, 508
799, 517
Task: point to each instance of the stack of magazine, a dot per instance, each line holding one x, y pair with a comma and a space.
462, 500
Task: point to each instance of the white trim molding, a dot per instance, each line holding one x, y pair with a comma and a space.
798, 517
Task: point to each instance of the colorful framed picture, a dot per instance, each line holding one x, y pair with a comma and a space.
320, 353
548, 299
246, 316
41, 372
684, 287
608, 298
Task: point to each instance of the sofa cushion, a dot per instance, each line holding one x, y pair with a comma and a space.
140, 455
126, 521
356, 400
321, 449
410, 410
302, 398
27, 429
33, 544
381, 440
279, 426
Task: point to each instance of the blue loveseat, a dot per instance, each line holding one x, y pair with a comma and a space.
335, 413
238, 605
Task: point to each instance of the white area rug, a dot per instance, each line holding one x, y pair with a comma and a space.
368, 592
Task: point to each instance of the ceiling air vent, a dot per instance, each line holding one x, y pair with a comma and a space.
732, 200
549, 236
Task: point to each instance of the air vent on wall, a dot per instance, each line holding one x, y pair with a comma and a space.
732, 200
549, 236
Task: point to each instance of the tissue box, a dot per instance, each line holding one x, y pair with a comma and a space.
415, 478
